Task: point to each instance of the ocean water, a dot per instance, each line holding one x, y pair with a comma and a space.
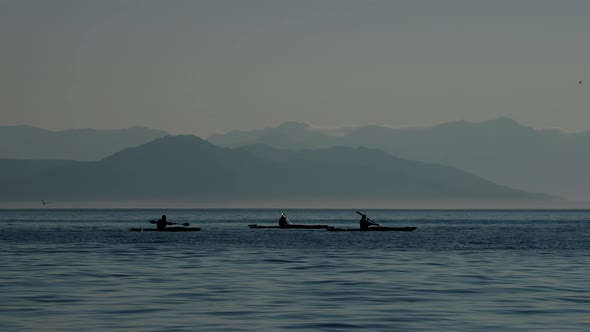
461, 270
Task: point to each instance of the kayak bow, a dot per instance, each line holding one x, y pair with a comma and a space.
167, 229
290, 226
371, 229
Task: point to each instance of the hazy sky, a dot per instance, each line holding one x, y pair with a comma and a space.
202, 67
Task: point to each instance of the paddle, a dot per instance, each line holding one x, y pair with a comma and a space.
369, 219
171, 223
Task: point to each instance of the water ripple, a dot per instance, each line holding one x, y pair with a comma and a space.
459, 271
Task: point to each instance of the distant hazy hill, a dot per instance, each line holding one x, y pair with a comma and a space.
290, 135
189, 169
500, 150
25, 142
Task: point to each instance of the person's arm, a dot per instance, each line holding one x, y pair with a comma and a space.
371, 222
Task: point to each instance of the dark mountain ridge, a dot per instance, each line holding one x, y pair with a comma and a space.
189, 169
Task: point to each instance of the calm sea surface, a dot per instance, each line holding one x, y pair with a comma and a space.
461, 270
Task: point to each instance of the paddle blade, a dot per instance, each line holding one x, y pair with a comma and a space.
359, 213
153, 222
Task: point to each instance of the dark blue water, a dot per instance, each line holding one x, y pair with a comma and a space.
82, 270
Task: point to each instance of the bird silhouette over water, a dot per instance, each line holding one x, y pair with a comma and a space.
44, 203
579, 82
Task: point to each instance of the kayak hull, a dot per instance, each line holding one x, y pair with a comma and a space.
372, 229
167, 229
291, 226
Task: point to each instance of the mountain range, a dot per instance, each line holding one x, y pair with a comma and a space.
501, 150
26, 142
191, 170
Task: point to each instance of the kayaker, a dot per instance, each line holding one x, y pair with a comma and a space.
366, 222
283, 221
162, 223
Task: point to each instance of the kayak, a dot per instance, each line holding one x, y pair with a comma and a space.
374, 229
167, 229
290, 226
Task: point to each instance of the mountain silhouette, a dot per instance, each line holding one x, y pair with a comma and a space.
289, 135
501, 150
26, 142
190, 169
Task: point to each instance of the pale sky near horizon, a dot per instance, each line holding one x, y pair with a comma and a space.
203, 67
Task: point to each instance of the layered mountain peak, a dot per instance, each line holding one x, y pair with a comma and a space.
172, 148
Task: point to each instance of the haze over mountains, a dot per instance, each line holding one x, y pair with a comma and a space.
26, 142
500, 150
187, 169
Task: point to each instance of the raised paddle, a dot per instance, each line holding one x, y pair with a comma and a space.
171, 223
369, 219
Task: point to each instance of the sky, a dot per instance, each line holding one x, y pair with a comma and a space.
204, 67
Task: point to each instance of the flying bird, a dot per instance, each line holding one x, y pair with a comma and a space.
579, 82
44, 203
